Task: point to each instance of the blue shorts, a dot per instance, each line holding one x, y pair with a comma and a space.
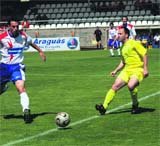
114, 44
11, 72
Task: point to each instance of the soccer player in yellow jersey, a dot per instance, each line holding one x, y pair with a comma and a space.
133, 66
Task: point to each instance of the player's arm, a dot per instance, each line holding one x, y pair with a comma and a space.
41, 53
118, 68
145, 66
143, 54
133, 32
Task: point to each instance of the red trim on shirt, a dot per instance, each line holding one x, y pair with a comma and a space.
3, 35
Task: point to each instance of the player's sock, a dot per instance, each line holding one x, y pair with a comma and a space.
134, 96
119, 53
111, 52
24, 100
108, 98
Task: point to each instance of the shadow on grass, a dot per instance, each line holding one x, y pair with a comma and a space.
33, 116
140, 110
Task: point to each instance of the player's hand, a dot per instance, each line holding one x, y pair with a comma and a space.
145, 73
42, 56
113, 73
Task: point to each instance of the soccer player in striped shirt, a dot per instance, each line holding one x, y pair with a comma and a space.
12, 43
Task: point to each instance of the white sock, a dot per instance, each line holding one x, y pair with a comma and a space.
118, 50
24, 100
111, 51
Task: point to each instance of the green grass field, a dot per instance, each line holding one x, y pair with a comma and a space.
74, 82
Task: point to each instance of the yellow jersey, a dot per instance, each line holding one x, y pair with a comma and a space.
132, 54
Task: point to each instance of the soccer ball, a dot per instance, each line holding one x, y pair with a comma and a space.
62, 119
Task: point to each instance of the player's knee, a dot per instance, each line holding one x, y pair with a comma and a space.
115, 87
130, 87
21, 90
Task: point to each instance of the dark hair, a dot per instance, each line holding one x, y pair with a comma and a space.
125, 17
111, 23
126, 30
12, 19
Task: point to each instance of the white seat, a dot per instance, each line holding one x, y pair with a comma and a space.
87, 24
138, 23
156, 23
104, 24
93, 24
98, 24
144, 22
64, 25
36, 26
81, 25
48, 26
150, 22
53, 25
59, 25
70, 25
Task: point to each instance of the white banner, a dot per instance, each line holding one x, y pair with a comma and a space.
56, 44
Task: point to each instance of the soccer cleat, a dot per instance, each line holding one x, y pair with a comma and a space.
3, 89
27, 116
135, 109
101, 109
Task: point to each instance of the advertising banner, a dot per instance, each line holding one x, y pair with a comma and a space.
56, 44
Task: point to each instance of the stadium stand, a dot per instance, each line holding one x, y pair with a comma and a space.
78, 14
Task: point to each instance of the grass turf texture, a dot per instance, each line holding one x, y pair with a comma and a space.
74, 82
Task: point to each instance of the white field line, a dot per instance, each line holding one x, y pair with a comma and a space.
76, 123
74, 75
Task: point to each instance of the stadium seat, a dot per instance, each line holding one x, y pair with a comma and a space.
131, 13
127, 8
58, 5
144, 22
140, 18
116, 23
61, 10
142, 12
77, 10
87, 24
64, 16
92, 24
137, 13
81, 25
91, 15
86, 15
42, 26
36, 26
80, 15
50, 11
157, 18
66, 10
70, 25
104, 24
59, 25
156, 23
150, 22
64, 5
64, 25
48, 26
99, 24
120, 13
53, 25
114, 13
138, 23
53, 6
48, 6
